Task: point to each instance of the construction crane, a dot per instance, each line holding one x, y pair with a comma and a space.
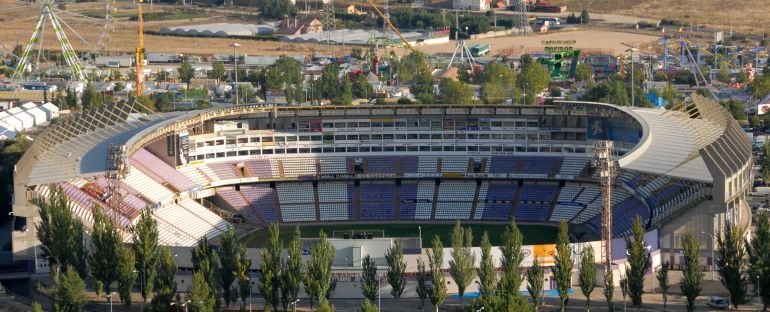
393, 28
139, 51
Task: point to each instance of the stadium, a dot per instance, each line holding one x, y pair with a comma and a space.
679, 170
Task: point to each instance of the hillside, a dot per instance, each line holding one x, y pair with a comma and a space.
746, 16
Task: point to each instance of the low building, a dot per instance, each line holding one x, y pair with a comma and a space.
297, 26
478, 5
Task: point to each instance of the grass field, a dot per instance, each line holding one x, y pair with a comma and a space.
533, 234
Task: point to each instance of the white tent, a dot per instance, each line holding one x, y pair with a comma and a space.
14, 110
6, 134
28, 105
50, 110
14, 123
27, 121
38, 115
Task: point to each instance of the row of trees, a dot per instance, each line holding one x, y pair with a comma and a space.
222, 272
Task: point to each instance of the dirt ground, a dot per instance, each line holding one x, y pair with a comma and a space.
586, 40
17, 24
743, 16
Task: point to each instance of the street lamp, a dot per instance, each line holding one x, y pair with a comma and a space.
293, 305
419, 230
235, 45
109, 298
141, 284
713, 261
633, 98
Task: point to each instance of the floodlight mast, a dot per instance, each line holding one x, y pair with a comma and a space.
606, 166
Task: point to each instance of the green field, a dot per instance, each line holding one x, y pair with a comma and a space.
533, 234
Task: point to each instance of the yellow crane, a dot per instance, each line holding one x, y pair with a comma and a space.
139, 51
387, 22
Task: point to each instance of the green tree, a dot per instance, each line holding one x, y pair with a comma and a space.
318, 277
759, 262
271, 267
161, 76
662, 277
437, 292
60, 233
487, 275
228, 259
186, 72
291, 275
585, 18
562, 269
164, 284
692, 277
533, 78
201, 298
145, 243
285, 74
394, 257
242, 274
638, 260
277, 9
217, 71
422, 282
498, 83
345, 95
584, 73
90, 98
587, 279
70, 292
361, 87
535, 284
206, 261
105, 241
36, 307
126, 273
328, 86
730, 263
461, 266
510, 264
455, 92
368, 306
609, 91
370, 284
609, 287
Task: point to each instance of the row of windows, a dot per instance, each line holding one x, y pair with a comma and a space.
397, 136
398, 148
423, 123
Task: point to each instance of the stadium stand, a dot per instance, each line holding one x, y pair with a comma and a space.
377, 201
498, 202
455, 199
262, 200
297, 202
333, 201
535, 202
159, 171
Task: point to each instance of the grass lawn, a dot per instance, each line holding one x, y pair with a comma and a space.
533, 234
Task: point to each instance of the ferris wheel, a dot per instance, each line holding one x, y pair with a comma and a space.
55, 17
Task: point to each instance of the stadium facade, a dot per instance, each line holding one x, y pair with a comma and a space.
679, 170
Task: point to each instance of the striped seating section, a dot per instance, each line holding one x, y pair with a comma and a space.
333, 201
535, 202
262, 200
455, 200
160, 171
497, 202
297, 202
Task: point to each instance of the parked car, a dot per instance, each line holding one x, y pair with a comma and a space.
718, 303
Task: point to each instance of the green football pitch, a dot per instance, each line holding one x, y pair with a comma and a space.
533, 234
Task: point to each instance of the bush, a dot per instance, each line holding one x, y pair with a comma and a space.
404, 101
